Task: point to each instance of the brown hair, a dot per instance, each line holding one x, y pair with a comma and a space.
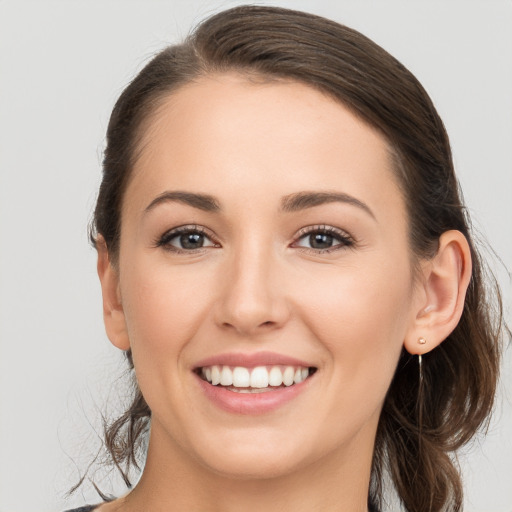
421, 422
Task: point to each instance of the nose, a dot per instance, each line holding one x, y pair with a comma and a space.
253, 294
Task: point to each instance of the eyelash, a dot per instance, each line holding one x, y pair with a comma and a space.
165, 240
344, 239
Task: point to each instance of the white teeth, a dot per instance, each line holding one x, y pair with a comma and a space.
288, 375
215, 375
260, 377
275, 377
226, 376
241, 377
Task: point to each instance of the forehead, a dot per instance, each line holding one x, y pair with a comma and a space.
225, 134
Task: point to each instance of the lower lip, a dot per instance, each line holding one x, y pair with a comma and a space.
251, 403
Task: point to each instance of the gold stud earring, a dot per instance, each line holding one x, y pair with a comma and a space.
421, 341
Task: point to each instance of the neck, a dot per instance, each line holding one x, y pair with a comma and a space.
173, 481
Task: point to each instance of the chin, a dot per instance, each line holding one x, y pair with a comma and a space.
253, 456
258, 467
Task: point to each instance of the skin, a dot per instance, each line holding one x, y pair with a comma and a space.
258, 285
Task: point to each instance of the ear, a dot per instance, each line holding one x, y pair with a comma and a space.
441, 294
113, 314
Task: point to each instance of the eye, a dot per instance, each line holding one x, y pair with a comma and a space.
185, 239
323, 239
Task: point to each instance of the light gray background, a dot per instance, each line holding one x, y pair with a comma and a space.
62, 65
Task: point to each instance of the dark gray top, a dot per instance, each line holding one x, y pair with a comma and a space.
87, 508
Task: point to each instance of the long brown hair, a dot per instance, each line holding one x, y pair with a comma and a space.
456, 394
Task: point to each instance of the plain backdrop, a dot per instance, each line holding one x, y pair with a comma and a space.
62, 65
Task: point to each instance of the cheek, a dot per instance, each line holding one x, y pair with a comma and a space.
163, 306
360, 315
360, 323
351, 300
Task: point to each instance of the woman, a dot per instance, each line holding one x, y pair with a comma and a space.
285, 259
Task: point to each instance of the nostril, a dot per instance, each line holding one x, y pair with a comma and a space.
249, 328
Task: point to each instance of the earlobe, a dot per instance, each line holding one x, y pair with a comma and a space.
113, 314
445, 280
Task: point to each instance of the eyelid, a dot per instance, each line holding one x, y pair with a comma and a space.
341, 235
347, 240
163, 240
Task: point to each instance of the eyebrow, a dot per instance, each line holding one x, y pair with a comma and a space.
290, 203
203, 202
304, 200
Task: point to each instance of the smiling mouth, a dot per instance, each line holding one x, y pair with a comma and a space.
259, 379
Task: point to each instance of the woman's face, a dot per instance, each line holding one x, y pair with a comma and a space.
263, 228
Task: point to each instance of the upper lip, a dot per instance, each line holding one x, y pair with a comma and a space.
251, 360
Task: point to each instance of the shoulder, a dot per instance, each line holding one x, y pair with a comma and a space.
87, 508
